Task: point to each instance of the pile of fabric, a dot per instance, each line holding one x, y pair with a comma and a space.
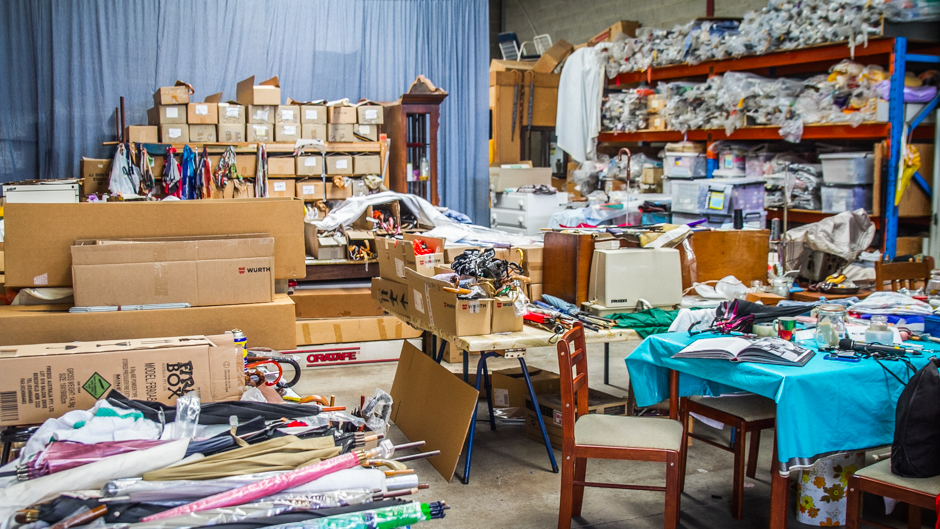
239, 464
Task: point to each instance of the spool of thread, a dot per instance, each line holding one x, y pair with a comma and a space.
775, 229
738, 219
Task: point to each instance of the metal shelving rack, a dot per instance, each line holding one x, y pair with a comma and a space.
890, 51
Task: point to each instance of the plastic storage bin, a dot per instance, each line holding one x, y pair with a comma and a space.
836, 199
758, 163
684, 165
718, 195
753, 219
848, 168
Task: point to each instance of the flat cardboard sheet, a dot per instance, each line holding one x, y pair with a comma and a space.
340, 301
432, 404
347, 330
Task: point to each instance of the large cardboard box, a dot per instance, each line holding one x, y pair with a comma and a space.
441, 308
246, 164
286, 132
203, 133
553, 57
391, 261
141, 133
364, 164
39, 237
265, 93
339, 164
177, 94
45, 381
396, 298
313, 131
353, 300
265, 324
346, 330
510, 391
504, 316
231, 114
167, 114
623, 27
256, 132
206, 113
422, 264
96, 174
289, 114
174, 133
370, 114
313, 114
199, 271
322, 246
280, 188
262, 114
550, 406
309, 165
510, 178
341, 114
340, 132
314, 190
229, 133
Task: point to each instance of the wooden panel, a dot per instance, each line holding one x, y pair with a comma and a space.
570, 257
742, 254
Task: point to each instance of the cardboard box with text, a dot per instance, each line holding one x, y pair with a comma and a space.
265, 93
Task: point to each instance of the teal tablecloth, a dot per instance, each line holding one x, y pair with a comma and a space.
822, 407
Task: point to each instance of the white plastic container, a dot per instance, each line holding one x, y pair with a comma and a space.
836, 199
684, 165
40, 193
848, 168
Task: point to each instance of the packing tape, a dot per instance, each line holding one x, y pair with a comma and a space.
308, 339
338, 332
383, 333
161, 283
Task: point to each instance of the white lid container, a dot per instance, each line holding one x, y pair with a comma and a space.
848, 168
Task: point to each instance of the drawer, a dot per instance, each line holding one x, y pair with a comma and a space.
510, 201
508, 218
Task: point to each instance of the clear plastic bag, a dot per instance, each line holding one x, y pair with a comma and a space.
121, 182
377, 411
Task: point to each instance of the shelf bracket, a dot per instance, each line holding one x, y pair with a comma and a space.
924, 186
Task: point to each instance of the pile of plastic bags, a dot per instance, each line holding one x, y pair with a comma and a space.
625, 111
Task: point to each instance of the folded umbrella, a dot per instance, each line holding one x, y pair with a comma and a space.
61, 456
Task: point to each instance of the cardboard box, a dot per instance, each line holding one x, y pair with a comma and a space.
313, 114
336, 301
281, 165
281, 188
286, 133
364, 164
444, 311
394, 297
513, 178
174, 133
499, 65
904, 246
366, 132
370, 114
203, 133
320, 245
550, 406
422, 264
141, 133
48, 380
624, 27
262, 114
509, 387
532, 260
167, 114
341, 114
651, 176
359, 238
231, 133
534, 291
201, 271
310, 165
312, 189
339, 164
657, 123
764, 297
346, 330
366, 221
39, 236
265, 93
206, 113
177, 94
340, 132
553, 57
242, 188
391, 261
231, 114
96, 174
451, 251
256, 132
246, 164
655, 103
423, 388
265, 324
313, 131
288, 114
504, 316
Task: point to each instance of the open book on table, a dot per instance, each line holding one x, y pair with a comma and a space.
762, 351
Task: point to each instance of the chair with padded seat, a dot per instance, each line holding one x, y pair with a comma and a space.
906, 275
918, 493
596, 436
744, 414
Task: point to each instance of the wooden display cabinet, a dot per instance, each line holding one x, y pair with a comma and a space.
412, 125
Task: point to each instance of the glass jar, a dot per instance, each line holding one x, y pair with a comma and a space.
878, 331
933, 286
830, 326
781, 286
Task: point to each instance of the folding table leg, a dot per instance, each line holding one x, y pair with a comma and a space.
473, 422
489, 391
466, 367
440, 353
606, 362
538, 414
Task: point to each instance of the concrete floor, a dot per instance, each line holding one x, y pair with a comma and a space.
511, 481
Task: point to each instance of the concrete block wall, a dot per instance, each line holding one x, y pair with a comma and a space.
576, 22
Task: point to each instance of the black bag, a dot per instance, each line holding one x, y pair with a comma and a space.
916, 449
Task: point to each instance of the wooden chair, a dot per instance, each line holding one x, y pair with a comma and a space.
594, 436
902, 274
878, 479
747, 414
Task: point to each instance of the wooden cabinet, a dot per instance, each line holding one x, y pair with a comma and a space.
412, 125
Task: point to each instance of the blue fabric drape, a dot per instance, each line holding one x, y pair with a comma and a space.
65, 63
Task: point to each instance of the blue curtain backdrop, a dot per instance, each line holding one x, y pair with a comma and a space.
64, 64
